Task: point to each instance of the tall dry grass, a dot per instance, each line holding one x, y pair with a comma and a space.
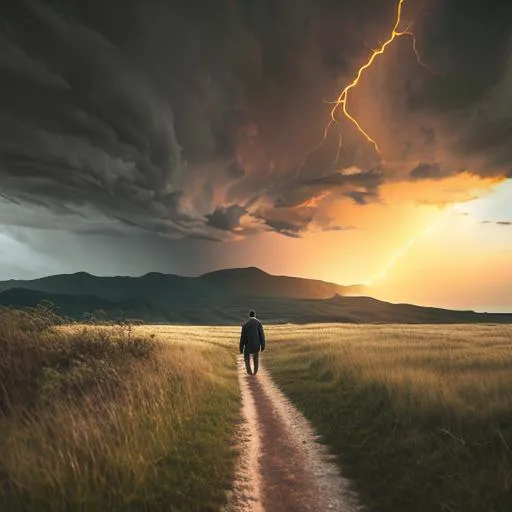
421, 415
111, 418
463, 368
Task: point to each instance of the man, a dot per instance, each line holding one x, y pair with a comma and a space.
252, 340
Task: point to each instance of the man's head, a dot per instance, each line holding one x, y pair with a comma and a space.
252, 313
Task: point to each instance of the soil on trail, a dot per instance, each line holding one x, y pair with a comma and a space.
282, 467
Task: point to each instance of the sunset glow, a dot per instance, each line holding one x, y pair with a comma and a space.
178, 139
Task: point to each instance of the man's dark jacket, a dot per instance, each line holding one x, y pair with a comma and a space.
252, 337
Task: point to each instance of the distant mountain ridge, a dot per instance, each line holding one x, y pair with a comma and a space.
172, 288
223, 297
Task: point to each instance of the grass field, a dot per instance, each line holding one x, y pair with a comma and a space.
117, 418
421, 416
110, 418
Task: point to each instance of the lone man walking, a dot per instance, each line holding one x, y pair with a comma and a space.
252, 340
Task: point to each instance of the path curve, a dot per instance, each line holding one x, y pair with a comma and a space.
282, 467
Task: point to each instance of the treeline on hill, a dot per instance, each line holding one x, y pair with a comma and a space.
98, 417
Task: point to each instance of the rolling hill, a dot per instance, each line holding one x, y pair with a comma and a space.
223, 297
170, 288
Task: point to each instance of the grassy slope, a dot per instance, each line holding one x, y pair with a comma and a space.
88, 423
421, 416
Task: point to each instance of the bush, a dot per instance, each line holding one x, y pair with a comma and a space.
100, 418
40, 358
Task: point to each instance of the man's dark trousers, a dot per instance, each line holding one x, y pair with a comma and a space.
256, 360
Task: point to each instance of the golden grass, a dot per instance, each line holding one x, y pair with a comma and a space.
463, 367
419, 414
153, 433
102, 418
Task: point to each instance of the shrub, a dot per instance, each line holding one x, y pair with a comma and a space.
40, 358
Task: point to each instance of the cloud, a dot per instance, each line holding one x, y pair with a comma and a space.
498, 223
339, 228
206, 123
228, 218
361, 186
429, 171
361, 197
285, 228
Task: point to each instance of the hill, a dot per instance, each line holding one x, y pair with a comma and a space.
254, 282
223, 297
171, 289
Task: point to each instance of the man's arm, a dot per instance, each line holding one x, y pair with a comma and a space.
242, 339
262, 336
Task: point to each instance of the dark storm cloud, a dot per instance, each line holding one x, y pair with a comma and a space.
466, 112
235, 171
339, 183
432, 171
180, 117
226, 218
361, 197
285, 228
369, 179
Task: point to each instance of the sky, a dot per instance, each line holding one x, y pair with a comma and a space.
184, 137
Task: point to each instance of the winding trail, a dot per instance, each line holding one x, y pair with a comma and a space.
281, 466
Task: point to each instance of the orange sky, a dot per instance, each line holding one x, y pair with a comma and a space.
409, 247
360, 144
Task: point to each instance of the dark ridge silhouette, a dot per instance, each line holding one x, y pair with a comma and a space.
174, 288
255, 282
223, 297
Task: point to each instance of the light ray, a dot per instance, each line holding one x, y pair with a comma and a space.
405, 248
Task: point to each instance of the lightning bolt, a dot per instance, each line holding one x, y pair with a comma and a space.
341, 102
341, 105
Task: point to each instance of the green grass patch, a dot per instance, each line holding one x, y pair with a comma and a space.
420, 417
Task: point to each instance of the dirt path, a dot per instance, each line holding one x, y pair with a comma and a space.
282, 467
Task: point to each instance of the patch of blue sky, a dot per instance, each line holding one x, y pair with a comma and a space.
495, 207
